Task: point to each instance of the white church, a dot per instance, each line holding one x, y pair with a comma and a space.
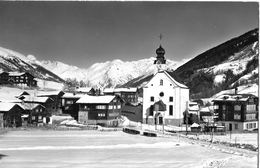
165, 98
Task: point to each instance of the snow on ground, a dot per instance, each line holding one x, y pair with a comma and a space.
96, 149
43, 84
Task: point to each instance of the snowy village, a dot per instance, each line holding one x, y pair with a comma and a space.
198, 112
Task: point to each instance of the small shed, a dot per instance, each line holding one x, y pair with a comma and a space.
195, 127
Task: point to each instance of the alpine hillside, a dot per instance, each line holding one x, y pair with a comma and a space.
14, 61
226, 66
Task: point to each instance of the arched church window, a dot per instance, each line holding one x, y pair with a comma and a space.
170, 110
161, 82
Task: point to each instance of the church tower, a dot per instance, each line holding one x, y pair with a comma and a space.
160, 62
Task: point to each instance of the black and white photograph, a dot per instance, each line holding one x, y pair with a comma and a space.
129, 84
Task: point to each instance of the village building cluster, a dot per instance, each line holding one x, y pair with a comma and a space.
165, 101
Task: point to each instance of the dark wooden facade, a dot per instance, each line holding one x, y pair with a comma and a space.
129, 95
101, 113
4, 76
54, 106
69, 105
22, 78
36, 112
12, 117
237, 109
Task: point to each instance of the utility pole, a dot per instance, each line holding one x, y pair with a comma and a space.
186, 119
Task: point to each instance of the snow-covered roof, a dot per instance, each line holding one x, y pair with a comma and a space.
205, 109
30, 106
7, 106
172, 77
5, 97
16, 73
72, 95
234, 97
49, 93
129, 89
36, 99
84, 89
108, 90
194, 108
87, 99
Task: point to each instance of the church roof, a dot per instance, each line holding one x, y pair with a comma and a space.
175, 78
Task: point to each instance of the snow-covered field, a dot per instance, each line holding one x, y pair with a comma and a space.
96, 149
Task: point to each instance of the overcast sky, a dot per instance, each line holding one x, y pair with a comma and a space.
84, 33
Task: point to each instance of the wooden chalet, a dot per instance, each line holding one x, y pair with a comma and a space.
11, 114
22, 78
104, 110
46, 102
237, 112
129, 95
56, 96
69, 105
34, 113
4, 76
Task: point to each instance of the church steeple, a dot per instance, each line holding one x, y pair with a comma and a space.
160, 62
160, 53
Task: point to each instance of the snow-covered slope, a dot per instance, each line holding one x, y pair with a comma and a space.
14, 61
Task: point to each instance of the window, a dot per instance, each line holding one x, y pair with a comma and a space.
85, 107
152, 98
110, 107
151, 110
69, 102
101, 114
237, 107
237, 116
118, 106
36, 110
151, 84
33, 117
236, 126
223, 116
170, 99
251, 107
250, 116
171, 110
161, 82
39, 117
223, 107
216, 106
100, 107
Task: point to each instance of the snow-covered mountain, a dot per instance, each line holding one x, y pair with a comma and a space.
107, 74
13, 61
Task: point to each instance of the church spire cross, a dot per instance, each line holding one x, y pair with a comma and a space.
161, 36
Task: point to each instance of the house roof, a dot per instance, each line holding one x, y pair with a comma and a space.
31, 106
84, 89
87, 99
8, 98
16, 73
72, 95
49, 93
8, 106
36, 99
108, 90
132, 89
234, 97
